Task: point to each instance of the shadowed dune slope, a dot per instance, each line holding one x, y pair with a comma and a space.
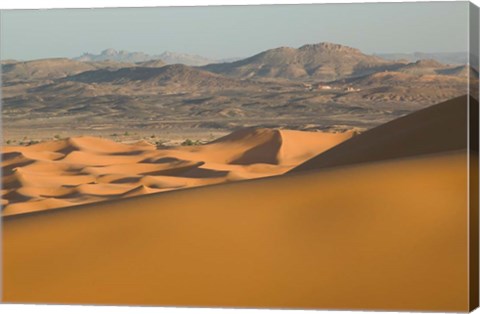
269, 146
388, 235
438, 128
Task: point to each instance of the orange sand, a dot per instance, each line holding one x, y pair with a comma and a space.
390, 235
86, 169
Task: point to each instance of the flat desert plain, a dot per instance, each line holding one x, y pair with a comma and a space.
377, 220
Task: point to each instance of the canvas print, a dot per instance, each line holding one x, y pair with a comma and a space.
317, 156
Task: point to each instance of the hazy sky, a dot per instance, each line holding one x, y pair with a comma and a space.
240, 31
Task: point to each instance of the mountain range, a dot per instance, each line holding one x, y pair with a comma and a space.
324, 86
459, 58
167, 57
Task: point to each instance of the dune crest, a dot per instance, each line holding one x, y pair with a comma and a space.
87, 169
438, 128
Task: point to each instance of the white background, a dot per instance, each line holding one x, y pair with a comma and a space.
64, 309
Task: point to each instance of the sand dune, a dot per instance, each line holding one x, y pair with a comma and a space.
86, 169
265, 146
389, 235
438, 128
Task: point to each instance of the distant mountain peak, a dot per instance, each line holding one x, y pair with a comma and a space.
322, 62
170, 53
328, 47
109, 52
431, 63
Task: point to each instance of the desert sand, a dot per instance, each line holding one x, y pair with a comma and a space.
374, 233
85, 169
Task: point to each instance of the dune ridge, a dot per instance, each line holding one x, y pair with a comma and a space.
86, 169
438, 128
